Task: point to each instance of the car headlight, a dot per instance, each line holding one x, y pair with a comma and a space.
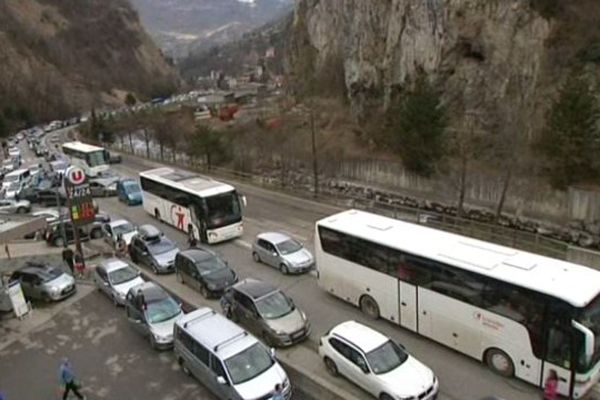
54, 291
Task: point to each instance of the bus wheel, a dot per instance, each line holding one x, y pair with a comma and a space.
369, 306
157, 214
499, 362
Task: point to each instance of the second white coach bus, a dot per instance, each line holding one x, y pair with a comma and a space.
198, 205
92, 159
520, 313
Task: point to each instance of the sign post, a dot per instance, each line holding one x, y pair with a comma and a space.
80, 203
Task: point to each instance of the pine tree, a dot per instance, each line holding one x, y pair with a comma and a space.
571, 139
416, 127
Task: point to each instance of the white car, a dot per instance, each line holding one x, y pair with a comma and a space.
115, 277
376, 363
113, 229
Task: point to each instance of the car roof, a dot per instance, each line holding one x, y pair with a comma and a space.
36, 268
151, 291
254, 288
113, 264
147, 231
362, 336
273, 237
198, 254
118, 222
213, 330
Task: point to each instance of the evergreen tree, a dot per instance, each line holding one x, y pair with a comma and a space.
571, 139
416, 127
208, 143
130, 100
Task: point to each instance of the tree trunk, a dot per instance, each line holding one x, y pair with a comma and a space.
505, 185
130, 141
162, 150
463, 186
147, 140
314, 150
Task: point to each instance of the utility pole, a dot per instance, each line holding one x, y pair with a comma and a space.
313, 132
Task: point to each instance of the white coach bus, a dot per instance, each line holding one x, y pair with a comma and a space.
198, 205
92, 159
520, 313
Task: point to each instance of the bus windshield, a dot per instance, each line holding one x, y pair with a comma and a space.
96, 158
223, 209
590, 318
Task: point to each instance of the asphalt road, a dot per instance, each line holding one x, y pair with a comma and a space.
108, 356
461, 378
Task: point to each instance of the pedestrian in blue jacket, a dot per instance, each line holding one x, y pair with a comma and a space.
67, 379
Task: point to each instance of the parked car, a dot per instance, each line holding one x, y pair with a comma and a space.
204, 271
115, 158
44, 282
376, 363
122, 227
129, 192
103, 187
31, 193
115, 277
50, 198
13, 189
232, 363
150, 247
281, 251
54, 235
9, 206
17, 176
153, 313
266, 311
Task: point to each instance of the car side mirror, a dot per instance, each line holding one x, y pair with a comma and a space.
274, 254
221, 380
272, 352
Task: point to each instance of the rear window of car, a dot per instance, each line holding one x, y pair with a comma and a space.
49, 274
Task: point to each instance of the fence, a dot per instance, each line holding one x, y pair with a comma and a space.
528, 241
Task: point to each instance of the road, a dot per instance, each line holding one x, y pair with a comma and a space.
461, 378
108, 356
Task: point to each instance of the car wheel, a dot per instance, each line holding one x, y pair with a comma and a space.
96, 234
58, 242
255, 257
153, 342
267, 339
157, 214
21, 210
204, 292
179, 277
369, 306
284, 269
154, 269
385, 396
499, 362
46, 298
331, 367
183, 367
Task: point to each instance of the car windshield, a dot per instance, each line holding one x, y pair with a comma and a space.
162, 310
249, 363
131, 187
122, 275
160, 246
590, 318
50, 274
13, 186
210, 265
275, 305
96, 158
289, 246
223, 209
387, 357
11, 178
123, 229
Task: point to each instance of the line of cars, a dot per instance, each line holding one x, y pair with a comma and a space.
366, 357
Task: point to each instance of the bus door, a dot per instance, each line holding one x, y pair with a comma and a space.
558, 346
407, 295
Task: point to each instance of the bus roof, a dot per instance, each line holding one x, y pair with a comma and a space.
79, 146
187, 181
576, 284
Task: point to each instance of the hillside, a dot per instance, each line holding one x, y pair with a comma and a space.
497, 61
183, 27
59, 57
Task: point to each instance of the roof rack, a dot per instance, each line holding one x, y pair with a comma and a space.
199, 318
231, 339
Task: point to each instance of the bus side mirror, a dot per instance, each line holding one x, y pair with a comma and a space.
589, 341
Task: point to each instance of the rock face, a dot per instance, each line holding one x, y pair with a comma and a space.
58, 57
482, 54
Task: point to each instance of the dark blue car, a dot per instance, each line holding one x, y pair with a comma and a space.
129, 192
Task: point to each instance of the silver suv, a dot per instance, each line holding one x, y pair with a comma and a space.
44, 282
226, 359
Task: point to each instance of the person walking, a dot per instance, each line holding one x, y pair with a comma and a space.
78, 264
67, 256
120, 246
67, 379
278, 394
551, 386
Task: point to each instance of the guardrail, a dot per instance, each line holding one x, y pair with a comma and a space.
527, 241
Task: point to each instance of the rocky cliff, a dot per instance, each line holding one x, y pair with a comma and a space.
58, 57
499, 60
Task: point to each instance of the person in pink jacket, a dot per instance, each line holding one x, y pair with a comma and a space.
551, 386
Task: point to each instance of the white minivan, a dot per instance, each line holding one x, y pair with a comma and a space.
226, 359
21, 176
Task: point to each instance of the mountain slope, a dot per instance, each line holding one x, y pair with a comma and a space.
184, 26
62, 56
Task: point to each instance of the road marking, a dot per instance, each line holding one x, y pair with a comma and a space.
242, 243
